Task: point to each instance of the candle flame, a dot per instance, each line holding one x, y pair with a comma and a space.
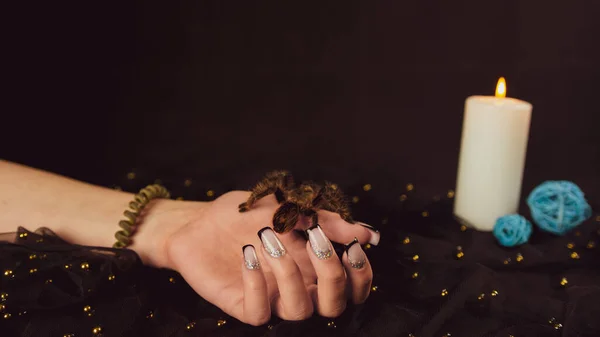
501, 88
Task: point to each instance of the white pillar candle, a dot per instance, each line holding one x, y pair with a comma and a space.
492, 158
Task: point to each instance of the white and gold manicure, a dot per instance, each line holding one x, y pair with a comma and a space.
356, 256
319, 243
250, 258
271, 242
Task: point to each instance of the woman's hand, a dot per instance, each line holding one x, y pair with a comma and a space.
276, 274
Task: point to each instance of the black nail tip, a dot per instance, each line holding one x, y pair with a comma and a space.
346, 247
313, 227
369, 227
244, 248
262, 230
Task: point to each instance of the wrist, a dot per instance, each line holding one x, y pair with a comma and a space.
161, 219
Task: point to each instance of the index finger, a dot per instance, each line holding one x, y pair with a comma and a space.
343, 232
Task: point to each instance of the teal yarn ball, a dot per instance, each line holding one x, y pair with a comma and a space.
558, 206
512, 230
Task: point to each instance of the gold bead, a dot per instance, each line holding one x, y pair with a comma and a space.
68, 266
494, 293
507, 261
415, 275
450, 194
552, 320
481, 296
415, 258
406, 240
150, 315
111, 277
221, 322
270, 327
172, 279
23, 235
460, 255
411, 335
368, 246
7, 316
410, 187
97, 330
87, 308
374, 288
48, 281
69, 335
574, 256
210, 193
22, 313
331, 324
367, 187
9, 273
187, 183
591, 244
425, 214
570, 245
3, 296
355, 199
131, 175
2, 307
85, 265
444, 292
32, 256
564, 281
43, 256
33, 270
333, 186
191, 325
463, 228
557, 326
403, 197
519, 257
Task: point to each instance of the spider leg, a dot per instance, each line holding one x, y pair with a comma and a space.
333, 200
286, 217
276, 182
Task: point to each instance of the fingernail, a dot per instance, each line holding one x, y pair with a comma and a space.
356, 256
250, 258
375, 235
271, 242
319, 243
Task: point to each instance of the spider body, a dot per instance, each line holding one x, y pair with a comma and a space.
297, 200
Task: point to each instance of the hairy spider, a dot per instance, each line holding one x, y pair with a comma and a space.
303, 200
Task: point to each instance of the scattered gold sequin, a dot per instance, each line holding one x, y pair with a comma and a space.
187, 183
68, 266
481, 297
519, 257
591, 244
43, 256
7, 316
368, 246
460, 255
131, 175
33, 270
507, 261
415, 258
425, 214
270, 327
331, 324
463, 228
564, 281
3, 296
9, 273
374, 288
450, 194
415, 275
410, 187
574, 256
88, 310
411, 335
40, 240
333, 186
150, 315
2, 307
221, 322
32, 256
191, 325
69, 335
355, 199
48, 281
570, 245
406, 240
444, 292
210, 193
172, 279
85, 265
494, 293
367, 187
557, 326
403, 197
23, 235
111, 277
97, 330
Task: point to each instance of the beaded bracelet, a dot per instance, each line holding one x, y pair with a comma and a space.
140, 201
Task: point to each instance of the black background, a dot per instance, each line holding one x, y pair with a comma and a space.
224, 91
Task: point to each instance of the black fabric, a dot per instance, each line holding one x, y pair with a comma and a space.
432, 278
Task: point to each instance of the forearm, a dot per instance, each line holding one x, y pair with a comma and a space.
76, 211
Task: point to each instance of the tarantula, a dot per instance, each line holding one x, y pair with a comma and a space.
303, 200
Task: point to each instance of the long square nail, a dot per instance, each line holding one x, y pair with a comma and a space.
271, 242
319, 243
250, 258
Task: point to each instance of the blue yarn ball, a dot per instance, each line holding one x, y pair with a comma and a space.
512, 230
558, 206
